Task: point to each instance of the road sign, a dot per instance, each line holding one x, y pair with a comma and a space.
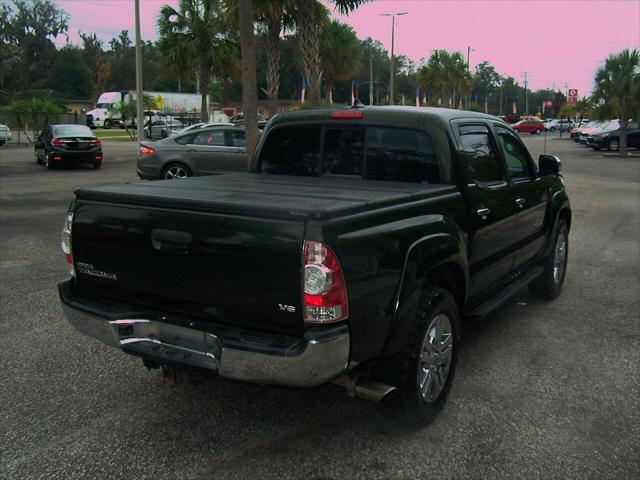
573, 95
159, 102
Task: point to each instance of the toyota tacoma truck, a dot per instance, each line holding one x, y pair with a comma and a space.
348, 253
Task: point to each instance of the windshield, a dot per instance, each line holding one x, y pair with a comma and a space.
72, 131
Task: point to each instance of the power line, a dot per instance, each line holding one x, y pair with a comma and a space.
526, 97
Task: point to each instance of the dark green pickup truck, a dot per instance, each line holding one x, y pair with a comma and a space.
348, 254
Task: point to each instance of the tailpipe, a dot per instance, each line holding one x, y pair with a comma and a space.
364, 388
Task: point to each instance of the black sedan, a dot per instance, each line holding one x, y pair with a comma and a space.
68, 144
610, 140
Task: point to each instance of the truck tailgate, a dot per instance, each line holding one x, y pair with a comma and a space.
236, 270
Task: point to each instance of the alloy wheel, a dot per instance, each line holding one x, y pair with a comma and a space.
174, 172
436, 354
560, 257
614, 145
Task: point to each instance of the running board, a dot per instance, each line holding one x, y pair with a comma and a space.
492, 302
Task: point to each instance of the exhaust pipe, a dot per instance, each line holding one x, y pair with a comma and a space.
364, 388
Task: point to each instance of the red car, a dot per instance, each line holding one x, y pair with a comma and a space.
528, 126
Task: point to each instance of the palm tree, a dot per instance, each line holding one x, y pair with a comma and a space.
340, 54
307, 26
446, 74
617, 85
196, 37
249, 89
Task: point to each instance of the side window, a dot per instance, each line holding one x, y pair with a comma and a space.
185, 139
237, 138
211, 138
515, 156
291, 150
481, 159
343, 151
401, 155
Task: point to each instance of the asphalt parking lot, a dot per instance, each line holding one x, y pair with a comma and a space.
542, 390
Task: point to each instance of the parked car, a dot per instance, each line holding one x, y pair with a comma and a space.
610, 139
68, 144
575, 131
561, 125
528, 126
162, 128
5, 134
595, 128
196, 152
348, 254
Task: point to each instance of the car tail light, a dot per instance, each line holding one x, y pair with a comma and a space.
98, 157
66, 242
324, 291
144, 150
57, 158
96, 142
353, 114
57, 142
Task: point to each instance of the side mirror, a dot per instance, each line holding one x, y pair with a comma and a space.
549, 165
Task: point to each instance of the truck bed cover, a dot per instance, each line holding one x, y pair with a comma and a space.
266, 195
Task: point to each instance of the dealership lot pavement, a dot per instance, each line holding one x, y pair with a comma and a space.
542, 390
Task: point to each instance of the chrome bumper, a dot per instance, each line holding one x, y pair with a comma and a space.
314, 360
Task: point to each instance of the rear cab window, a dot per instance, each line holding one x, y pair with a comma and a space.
368, 152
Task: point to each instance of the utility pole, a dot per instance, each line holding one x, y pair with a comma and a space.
370, 77
526, 97
469, 50
139, 94
393, 28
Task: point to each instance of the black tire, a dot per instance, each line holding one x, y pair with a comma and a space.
163, 134
97, 164
38, 159
2, 142
407, 405
516, 130
537, 132
614, 145
549, 284
552, 129
171, 171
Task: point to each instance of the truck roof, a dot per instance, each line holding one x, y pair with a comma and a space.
385, 114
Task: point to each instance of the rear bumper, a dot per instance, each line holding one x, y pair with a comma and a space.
317, 358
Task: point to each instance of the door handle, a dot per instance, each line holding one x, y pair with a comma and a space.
521, 201
483, 212
171, 241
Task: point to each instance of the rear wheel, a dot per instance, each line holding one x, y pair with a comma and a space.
614, 145
38, 159
175, 171
423, 371
163, 134
106, 125
47, 163
97, 164
537, 132
549, 284
516, 130
552, 129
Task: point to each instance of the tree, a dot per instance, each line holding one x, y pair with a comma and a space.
249, 89
26, 30
616, 89
373, 51
196, 38
307, 24
69, 73
97, 63
446, 75
339, 53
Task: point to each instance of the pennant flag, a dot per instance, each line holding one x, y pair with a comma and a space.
304, 87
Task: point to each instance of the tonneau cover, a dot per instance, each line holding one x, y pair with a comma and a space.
266, 195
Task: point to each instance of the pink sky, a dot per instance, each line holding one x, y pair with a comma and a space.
554, 40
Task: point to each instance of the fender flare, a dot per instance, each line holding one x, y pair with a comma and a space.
423, 256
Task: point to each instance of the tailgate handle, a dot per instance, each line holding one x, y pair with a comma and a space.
171, 241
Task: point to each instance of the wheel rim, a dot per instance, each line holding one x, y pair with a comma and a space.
614, 145
560, 258
46, 160
436, 353
175, 172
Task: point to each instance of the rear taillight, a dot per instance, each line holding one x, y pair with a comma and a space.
347, 114
96, 142
66, 242
144, 150
57, 142
324, 291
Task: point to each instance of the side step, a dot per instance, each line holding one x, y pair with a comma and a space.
489, 304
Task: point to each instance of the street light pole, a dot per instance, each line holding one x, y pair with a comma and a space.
393, 29
370, 77
139, 94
